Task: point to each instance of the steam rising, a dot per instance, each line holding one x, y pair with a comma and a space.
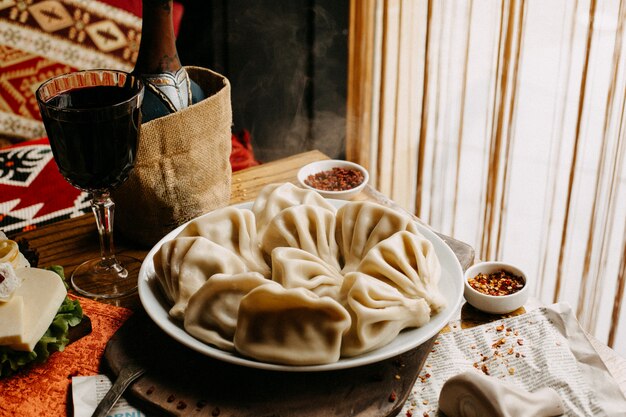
291, 97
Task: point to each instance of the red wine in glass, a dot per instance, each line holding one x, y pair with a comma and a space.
93, 119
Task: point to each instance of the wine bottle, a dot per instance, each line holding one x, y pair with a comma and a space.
168, 86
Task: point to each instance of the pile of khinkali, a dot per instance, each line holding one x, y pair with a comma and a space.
297, 281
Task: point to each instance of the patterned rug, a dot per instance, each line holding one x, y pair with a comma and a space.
43, 38
32, 192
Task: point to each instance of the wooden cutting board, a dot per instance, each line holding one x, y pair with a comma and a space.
182, 382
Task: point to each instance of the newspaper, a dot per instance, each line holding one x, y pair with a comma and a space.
544, 347
88, 391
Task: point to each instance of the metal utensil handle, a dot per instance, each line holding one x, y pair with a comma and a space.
126, 376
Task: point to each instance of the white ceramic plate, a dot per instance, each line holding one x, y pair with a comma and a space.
451, 285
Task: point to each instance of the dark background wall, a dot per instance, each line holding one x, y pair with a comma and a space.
287, 64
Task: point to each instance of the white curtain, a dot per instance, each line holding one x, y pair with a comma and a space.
503, 124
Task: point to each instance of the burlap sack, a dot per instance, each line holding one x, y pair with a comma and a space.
182, 167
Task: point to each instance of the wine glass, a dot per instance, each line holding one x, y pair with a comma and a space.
93, 119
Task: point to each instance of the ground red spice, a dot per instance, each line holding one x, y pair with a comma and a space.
336, 179
497, 283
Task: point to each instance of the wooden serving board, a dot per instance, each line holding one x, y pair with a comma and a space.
182, 382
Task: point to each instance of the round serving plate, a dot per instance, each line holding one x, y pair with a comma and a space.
450, 284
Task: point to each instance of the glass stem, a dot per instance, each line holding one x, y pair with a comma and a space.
103, 208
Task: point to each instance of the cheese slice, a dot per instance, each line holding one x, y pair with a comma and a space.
11, 321
43, 293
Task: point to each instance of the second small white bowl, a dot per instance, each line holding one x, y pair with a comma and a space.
495, 304
320, 166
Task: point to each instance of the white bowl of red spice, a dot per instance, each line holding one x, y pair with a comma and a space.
496, 287
334, 178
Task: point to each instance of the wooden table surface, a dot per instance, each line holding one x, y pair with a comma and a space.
70, 242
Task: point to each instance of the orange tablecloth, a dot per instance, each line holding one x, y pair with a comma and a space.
44, 389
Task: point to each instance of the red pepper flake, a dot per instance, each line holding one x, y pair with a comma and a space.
215, 412
497, 283
335, 179
393, 396
520, 342
171, 398
500, 328
150, 390
499, 343
181, 405
409, 413
485, 369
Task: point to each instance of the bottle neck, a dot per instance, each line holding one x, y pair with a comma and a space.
157, 50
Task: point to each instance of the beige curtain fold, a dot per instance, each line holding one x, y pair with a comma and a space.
503, 125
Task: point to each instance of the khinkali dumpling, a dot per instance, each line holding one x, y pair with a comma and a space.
211, 314
234, 229
183, 264
310, 228
290, 326
274, 198
408, 262
379, 312
294, 268
362, 224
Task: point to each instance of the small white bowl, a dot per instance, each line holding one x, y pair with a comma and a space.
319, 166
495, 304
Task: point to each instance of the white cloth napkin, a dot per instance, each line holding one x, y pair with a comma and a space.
472, 394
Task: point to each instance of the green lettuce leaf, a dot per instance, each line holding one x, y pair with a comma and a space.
55, 339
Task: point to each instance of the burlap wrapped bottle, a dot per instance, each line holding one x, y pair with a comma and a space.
182, 168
